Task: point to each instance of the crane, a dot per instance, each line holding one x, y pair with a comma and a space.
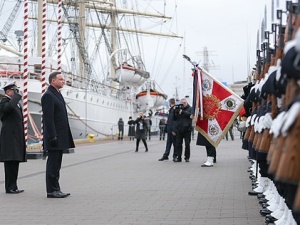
9, 22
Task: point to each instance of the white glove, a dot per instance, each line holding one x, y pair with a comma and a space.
267, 122
288, 45
256, 124
271, 70
279, 102
278, 72
248, 121
291, 116
261, 124
253, 119
277, 124
297, 37
261, 82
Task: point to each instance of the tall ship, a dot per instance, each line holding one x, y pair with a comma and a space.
97, 45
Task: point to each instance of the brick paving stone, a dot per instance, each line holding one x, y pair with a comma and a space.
110, 184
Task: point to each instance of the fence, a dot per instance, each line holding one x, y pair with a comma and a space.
155, 132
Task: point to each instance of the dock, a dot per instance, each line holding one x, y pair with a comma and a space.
112, 184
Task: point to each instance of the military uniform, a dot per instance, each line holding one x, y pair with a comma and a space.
12, 139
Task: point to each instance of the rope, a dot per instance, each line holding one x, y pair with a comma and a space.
74, 114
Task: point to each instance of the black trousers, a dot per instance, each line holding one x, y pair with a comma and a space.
53, 167
11, 170
121, 133
211, 151
180, 136
138, 143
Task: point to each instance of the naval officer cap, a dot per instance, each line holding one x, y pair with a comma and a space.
11, 86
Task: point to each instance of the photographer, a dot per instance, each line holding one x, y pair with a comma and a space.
183, 127
141, 129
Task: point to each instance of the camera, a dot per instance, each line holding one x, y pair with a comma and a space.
178, 107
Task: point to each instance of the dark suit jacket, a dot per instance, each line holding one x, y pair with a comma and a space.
55, 121
171, 121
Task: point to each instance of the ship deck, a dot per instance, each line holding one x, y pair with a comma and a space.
111, 184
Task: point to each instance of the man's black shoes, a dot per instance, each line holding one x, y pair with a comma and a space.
14, 191
177, 160
163, 158
57, 194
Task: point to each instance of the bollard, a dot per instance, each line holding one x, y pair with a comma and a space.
91, 137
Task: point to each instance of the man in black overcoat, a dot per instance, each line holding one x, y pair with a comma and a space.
183, 127
57, 135
12, 140
171, 137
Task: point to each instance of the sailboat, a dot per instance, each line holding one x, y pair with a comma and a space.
105, 74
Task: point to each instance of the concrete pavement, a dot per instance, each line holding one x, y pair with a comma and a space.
110, 184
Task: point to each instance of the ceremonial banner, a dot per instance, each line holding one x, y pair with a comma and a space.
215, 105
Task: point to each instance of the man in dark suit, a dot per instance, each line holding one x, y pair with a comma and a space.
12, 140
57, 135
171, 137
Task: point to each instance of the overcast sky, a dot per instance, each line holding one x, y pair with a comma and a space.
229, 31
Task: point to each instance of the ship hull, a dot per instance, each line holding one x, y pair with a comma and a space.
89, 112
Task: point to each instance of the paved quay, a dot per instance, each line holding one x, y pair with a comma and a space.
110, 184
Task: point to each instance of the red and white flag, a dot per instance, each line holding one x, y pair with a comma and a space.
215, 105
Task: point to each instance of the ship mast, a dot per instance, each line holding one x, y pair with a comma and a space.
113, 42
81, 19
78, 25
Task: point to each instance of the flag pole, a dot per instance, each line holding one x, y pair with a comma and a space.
198, 79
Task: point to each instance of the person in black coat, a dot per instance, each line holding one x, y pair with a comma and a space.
140, 133
183, 128
171, 137
121, 129
57, 135
131, 129
12, 140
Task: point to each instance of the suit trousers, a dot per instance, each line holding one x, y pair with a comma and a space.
53, 170
11, 169
171, 140
186, 135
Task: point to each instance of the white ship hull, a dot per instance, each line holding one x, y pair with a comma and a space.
92, 56
97, 113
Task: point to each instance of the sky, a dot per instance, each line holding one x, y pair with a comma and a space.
228, 29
